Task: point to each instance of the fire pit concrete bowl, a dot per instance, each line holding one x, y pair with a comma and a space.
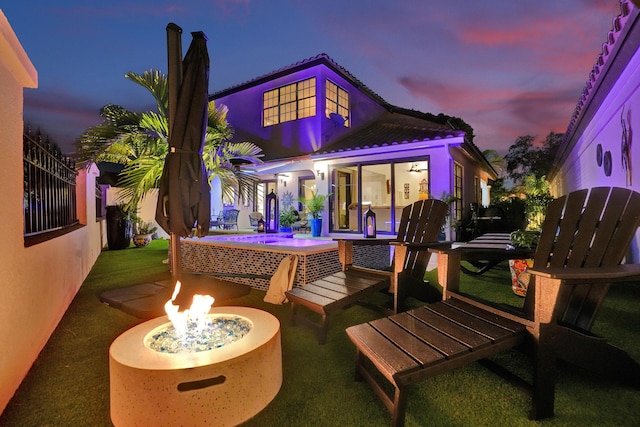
220, 387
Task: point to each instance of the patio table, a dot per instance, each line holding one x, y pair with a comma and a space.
484, 252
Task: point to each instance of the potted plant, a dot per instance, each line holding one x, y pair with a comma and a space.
449, 200
143, 233
538, 197
287, 217
119, 226
314, 206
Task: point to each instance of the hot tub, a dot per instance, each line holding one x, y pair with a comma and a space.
273, 241
252, 259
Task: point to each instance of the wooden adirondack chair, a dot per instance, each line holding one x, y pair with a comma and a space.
420, 224
584, 239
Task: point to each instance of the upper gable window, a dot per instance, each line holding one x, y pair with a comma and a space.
337, 102
291, 102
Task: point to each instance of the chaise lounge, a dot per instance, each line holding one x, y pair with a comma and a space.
583, 241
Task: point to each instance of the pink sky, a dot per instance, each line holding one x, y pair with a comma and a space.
508, 68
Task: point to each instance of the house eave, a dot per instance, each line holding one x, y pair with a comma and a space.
395, 147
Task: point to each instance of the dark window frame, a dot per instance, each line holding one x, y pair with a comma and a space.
288, 102
335, 105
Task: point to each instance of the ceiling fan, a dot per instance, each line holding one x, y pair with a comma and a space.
415, 168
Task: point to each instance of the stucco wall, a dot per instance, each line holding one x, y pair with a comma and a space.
146, 210
38, 282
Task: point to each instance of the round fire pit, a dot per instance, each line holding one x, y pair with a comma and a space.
222, 386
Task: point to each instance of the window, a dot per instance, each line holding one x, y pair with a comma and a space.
375, 193
291, 102
457, 191
261, 190
345, 210
306, 186
337, 102
386, 187
477, 190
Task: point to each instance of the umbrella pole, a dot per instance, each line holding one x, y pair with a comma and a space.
174, 77
175, 261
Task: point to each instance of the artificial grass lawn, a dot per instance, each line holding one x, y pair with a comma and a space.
69, 382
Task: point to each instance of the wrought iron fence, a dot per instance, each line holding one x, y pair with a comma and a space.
49, 187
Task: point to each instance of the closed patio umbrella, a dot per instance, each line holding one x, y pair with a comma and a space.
184, 199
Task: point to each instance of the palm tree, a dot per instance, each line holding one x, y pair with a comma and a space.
538, 196
139, 141
495, 160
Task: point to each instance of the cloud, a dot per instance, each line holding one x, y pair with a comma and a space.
451, 96
498, 114
59, 115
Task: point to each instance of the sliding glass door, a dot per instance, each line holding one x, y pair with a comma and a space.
385, 187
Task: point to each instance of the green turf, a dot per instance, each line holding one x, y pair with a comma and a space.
69, 383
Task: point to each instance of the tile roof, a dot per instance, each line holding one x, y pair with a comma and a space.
615, 38
322, 58
621, 44
392, 129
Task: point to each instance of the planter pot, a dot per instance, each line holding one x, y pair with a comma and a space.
285, 229
142, 240
316, 227
520, 276
118, 228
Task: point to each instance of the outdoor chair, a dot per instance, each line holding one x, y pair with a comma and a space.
216, 219
254, 217
300, 224
584, 238
420, 225
230, 219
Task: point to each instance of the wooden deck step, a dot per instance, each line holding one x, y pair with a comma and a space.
331, 293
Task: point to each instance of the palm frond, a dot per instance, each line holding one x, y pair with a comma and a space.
247, 151
139, 177
228, 182
155, 124
156, 83
95, 142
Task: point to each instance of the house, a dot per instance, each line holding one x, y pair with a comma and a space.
321, 128
600, 146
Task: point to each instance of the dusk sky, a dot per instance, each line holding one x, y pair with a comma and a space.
506, 67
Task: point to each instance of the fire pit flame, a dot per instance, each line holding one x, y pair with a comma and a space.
197, 313
194, 330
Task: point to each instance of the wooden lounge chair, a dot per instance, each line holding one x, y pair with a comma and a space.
584, 239
419, 227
